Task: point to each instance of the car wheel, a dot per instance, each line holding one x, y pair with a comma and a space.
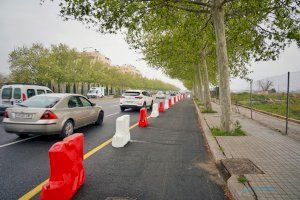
100, 119
122, 109
67, 129
23, 136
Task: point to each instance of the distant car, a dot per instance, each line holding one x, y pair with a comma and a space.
95, 92
135, 99
49, 114
160, 95
14, 94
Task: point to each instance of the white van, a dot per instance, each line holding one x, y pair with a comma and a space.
95, 92
13, 94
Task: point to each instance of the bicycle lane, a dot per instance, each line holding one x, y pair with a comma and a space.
167, 160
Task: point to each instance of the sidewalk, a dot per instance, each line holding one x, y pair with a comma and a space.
274, 123
277, 155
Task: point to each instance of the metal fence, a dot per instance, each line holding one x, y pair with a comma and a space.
277, 97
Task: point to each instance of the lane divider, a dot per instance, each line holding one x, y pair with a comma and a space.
39, 187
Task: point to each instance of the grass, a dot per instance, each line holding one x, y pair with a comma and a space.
242, 179
273, 103
236, 132
208, 111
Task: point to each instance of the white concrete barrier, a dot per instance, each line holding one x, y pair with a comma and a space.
154, 112
122, 135
166, 104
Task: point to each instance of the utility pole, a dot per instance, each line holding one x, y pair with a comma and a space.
287, 104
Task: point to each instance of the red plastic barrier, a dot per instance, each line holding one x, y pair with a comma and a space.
170, 103
143, 121
161, 107
67, 172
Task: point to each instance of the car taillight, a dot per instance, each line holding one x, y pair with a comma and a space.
23, 97
138, 97
5, 115
48, 115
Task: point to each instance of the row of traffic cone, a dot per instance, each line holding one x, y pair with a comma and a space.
163, 105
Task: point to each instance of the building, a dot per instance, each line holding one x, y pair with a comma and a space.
98, 56
128, 69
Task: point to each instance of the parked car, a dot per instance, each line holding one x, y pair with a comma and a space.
135, 99
52, 114
160, 95
14, 94
95, 92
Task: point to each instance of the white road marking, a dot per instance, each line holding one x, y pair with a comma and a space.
23, 140
111, 114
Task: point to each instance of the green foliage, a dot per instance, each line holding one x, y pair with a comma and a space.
242, 179
208, 111
171, 33
61, 64
236, 132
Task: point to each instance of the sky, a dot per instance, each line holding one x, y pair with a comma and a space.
26, 22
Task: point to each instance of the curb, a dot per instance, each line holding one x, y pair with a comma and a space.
211, 141
237, 190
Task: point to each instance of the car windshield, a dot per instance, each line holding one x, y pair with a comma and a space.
92, 91
40, 102
131, 94
6, 93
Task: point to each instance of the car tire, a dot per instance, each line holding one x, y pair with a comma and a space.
122, 109
100, 119
68, 129
23, 136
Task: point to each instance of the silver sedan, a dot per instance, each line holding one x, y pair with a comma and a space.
49, 114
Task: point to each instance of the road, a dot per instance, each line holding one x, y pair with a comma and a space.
167, 160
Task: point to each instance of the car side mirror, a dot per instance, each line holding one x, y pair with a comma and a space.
93, 104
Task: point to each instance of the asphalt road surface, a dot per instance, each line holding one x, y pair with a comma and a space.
166, 160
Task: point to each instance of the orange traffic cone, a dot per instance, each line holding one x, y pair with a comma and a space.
170, 103
143, 121
161, 107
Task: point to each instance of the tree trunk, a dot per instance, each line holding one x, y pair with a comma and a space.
205, 81
200, 85
223, 66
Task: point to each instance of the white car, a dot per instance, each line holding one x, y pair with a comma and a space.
160, 95
14, 94
136, 99
96, 92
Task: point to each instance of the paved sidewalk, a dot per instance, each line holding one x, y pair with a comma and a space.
277, 155
271, 121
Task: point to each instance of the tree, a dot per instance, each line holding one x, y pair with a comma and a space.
265, 85
280, 18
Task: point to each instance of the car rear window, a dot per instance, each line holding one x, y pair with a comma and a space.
40, 102
131, 94
17, 93
6, 93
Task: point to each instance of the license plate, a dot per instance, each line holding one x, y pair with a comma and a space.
129, 101
23, 115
